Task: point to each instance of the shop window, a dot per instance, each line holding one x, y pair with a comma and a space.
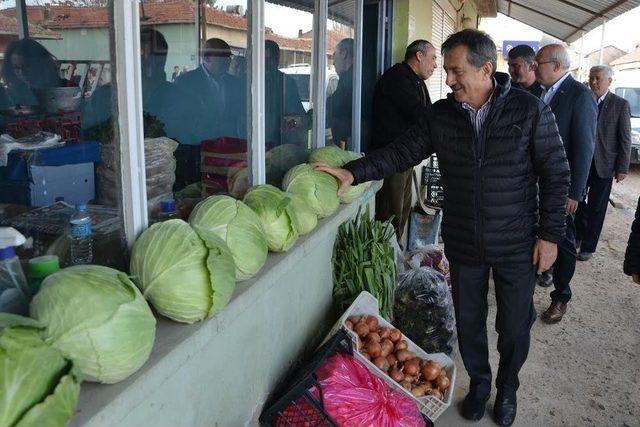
59, 148
340, 60
288, 77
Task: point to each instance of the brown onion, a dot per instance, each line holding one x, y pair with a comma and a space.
406, 384
384, 332
418, 391
401, 345
411, 378
381, 363
348, 324
431, 370
365, 355
372, 322
361, 329
403, 355
373, 337
387, 347
391, 358
374, 349
442, 382
395, 335
436, 393
411, 368
396, 375
360, 344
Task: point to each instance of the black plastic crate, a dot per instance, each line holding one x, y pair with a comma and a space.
293, 403
432, 182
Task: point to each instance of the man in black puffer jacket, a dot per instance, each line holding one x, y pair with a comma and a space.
506, 178
632, 255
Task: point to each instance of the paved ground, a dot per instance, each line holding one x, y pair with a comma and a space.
584, 371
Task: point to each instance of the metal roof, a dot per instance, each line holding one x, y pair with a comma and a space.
565, 19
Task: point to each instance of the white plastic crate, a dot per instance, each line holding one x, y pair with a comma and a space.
432, 407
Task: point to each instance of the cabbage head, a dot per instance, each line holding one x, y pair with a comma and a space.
277, 215
96, 317
305, 219
282, 158
239, 227
186, 277
318, 190
38, 386
337, 158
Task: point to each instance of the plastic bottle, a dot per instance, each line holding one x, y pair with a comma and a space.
14, 291
167, 210
81, 245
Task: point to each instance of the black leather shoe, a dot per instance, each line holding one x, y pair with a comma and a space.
505, 408
473, 406
545, 279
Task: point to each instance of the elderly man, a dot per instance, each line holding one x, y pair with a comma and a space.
574, 107
610, 159
400, 99
505, 178
522, 69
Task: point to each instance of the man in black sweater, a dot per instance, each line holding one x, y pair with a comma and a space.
632, 256
400, 99
505, 177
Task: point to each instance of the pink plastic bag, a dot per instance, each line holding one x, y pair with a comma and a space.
354, 397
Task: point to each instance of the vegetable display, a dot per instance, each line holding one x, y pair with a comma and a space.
389, 352
318, 190
38, 386
276, 214
239, 227
337, 158
364, 260
305, 219
96, 317
186, 275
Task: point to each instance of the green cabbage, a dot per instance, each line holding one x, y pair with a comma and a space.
186, 275
280, 159
318, 190
38, 386
305, 219
96, 317
277, 215
241, 229
337, 158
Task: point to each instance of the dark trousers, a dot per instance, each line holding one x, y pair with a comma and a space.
187, 166
394, 199
591, 213
565, 264
514, 286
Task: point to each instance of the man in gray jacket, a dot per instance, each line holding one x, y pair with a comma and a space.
610, 159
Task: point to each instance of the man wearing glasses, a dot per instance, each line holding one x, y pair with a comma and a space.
574, 107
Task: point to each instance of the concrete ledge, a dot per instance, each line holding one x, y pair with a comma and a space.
220, 371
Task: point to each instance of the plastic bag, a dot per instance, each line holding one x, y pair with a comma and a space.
353, 396
424, 311
430, 256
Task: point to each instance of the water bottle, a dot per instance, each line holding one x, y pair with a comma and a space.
14, 290
167, 210
81, 247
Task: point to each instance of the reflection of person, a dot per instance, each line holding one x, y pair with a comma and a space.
632, 255
238, 67
341, 102
504, 200
28, 66
522, 69
400, 99
282, 96
213, 103
575, 110
176, 73
610, 159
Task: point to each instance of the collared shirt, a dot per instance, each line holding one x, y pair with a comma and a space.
549, 92
478, 116
603, 97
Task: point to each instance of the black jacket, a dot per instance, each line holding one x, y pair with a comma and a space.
535, 89
576, 112
492, 208
341, 107
632, 256
399, 100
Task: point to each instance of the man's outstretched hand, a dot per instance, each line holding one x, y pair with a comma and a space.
344, 176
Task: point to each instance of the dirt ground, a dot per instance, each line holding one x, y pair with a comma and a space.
585, 370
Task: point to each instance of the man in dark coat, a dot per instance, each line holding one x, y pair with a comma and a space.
340, 104
632, 255
610, 159
522, 69
575, 110
505, 177
399, 100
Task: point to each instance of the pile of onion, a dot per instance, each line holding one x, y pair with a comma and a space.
387, 349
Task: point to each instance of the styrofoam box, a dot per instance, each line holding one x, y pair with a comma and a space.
74, 182
432, 407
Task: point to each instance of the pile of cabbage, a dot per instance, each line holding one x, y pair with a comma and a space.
336, 157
